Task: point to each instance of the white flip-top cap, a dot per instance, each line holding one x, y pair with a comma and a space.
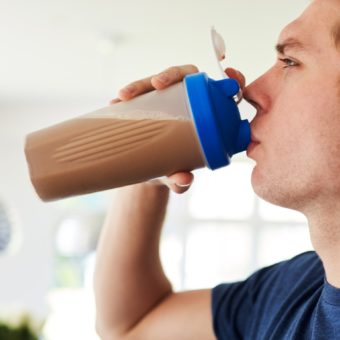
219, 48
220, 53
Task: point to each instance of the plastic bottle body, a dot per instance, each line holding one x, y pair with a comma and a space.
151, 136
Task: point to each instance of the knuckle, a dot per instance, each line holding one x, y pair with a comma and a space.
145, 83
173, 71
138, 85
177, 72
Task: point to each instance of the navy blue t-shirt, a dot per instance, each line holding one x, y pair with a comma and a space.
288, 300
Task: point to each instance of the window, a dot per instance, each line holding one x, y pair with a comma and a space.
221, 231
217, 232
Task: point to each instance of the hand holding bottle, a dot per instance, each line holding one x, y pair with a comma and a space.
179, 182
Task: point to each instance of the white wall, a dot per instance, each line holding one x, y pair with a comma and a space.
27, 273
55, 64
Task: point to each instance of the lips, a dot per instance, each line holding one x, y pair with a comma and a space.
254, 141
253, 138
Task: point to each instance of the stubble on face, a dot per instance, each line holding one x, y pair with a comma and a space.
293, 188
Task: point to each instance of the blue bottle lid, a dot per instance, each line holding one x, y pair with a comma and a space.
218, 123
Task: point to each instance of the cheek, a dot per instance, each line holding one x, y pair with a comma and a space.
286, 133
300, 149
327, 145
309, 139
289, 143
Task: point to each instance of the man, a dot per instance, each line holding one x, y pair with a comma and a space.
296, 146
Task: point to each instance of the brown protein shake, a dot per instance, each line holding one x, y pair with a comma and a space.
189, 125
94, 153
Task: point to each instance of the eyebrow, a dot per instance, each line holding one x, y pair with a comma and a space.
336, 34
289, 44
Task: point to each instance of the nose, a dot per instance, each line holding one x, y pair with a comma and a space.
259, 93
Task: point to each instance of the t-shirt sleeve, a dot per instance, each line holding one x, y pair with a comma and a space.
233, 303
231, 308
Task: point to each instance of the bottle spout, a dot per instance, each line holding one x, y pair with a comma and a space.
229, 87
243, 138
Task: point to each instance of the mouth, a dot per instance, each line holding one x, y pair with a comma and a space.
254, 142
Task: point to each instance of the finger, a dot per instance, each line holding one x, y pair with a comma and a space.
115, 101
172, 75
135, 88
162, 80
237, 75
179, 182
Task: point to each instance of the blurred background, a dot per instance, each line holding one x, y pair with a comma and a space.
60, 59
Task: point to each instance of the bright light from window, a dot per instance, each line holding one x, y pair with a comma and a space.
223, 194
272, 212
216, 253
277, 243
72, 315
171, 252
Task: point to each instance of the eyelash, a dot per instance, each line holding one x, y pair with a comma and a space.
288, 62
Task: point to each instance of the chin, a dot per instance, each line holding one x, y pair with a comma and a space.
273, 190
288, 187
257, 181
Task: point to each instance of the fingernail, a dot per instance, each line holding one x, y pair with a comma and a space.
115, 101
131, 89
183, 185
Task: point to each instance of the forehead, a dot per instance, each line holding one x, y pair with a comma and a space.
315, 25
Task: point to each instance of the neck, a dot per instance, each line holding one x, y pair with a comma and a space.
324, 227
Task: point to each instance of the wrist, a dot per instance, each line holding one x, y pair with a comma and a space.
146, 191
153, 186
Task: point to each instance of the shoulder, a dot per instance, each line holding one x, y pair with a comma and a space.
236, 305
298, 262
307, 263
305, 268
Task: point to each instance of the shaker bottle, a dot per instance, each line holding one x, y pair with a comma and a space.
192, 124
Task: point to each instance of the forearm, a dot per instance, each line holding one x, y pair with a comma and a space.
129, 279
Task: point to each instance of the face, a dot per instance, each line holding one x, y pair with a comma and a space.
296, 130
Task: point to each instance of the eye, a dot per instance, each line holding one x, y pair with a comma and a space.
288, 62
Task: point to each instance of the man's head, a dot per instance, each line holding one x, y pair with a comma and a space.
297, 123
